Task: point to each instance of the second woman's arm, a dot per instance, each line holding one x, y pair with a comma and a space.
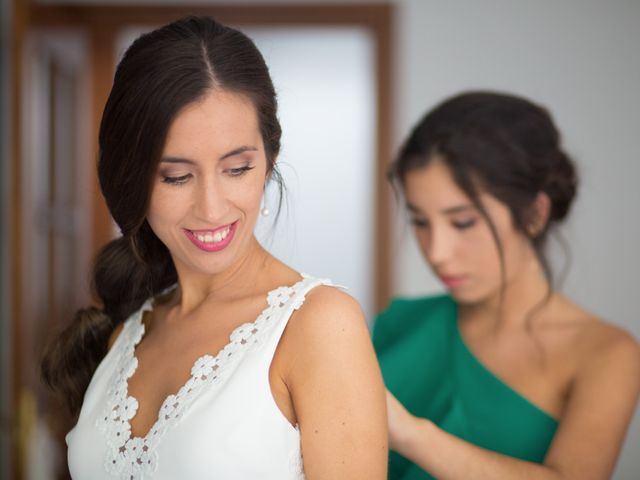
586, 445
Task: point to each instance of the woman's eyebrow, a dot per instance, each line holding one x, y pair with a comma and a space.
238, 151
457, 209
176, 160
447, 211
235, 151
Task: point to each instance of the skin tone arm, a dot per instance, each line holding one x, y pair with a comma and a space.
586, 445
336, 389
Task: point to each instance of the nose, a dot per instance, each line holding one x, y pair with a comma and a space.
438, 246
210, 203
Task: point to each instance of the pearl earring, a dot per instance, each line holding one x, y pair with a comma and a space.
264, 212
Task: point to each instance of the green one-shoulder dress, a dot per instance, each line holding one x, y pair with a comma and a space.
427, 366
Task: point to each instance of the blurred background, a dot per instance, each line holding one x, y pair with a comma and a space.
352, 78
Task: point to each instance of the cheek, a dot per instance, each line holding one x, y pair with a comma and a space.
255, 197
517, 252
249, 194
422, 237
166, 203
482, 245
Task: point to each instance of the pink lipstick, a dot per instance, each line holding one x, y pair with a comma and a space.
212, 240
451, 281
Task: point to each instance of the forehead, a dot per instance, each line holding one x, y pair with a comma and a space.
433, 191
216, 123
433, 187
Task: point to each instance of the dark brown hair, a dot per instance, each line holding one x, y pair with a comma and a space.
498, 143
159, 74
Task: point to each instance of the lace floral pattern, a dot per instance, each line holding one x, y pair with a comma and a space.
134, 458
295, 461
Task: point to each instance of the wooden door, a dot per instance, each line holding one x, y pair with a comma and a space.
56, 227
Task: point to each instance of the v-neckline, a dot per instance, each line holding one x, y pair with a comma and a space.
197, 366
137, 457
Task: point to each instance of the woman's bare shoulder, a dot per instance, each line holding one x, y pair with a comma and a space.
326, 307
601, 342
606, 343
329, 322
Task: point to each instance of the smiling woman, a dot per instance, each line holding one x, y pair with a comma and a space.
208, 356
209, 184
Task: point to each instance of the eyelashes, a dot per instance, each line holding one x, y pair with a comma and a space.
236, 172
176, 180
458, 225
464, 225
418, 222
182, 179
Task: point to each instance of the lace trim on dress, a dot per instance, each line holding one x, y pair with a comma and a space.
134, 458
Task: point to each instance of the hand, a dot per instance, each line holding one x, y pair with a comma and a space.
403, 426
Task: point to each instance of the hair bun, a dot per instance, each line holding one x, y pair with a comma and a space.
561, 185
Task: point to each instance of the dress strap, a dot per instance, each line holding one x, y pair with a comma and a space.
290, 299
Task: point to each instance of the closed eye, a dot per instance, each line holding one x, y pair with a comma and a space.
463, 225
176, 180
419, 222
236, 172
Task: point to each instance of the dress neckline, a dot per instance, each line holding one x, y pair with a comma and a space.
474, 358
202, 360
138, 454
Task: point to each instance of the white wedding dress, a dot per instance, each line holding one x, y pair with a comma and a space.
222, 424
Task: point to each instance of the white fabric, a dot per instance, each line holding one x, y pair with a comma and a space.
222, 424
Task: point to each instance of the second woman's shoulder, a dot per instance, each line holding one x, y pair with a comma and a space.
404, 316
431, 305
595, 337
598, 347
603, 343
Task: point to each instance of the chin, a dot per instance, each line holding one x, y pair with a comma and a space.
468, 297
205, 266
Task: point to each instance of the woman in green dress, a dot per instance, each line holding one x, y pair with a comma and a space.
503, 377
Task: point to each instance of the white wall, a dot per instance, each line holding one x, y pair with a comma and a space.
326, 105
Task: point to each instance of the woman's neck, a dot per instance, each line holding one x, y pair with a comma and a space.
525, 294
235, 281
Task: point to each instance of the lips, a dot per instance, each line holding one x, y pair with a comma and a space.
212, 240
453, 281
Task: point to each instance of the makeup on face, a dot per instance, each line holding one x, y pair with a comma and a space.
460, 217
212, 240
177, 171
209, 183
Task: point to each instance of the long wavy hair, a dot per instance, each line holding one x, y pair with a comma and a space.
160, 73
